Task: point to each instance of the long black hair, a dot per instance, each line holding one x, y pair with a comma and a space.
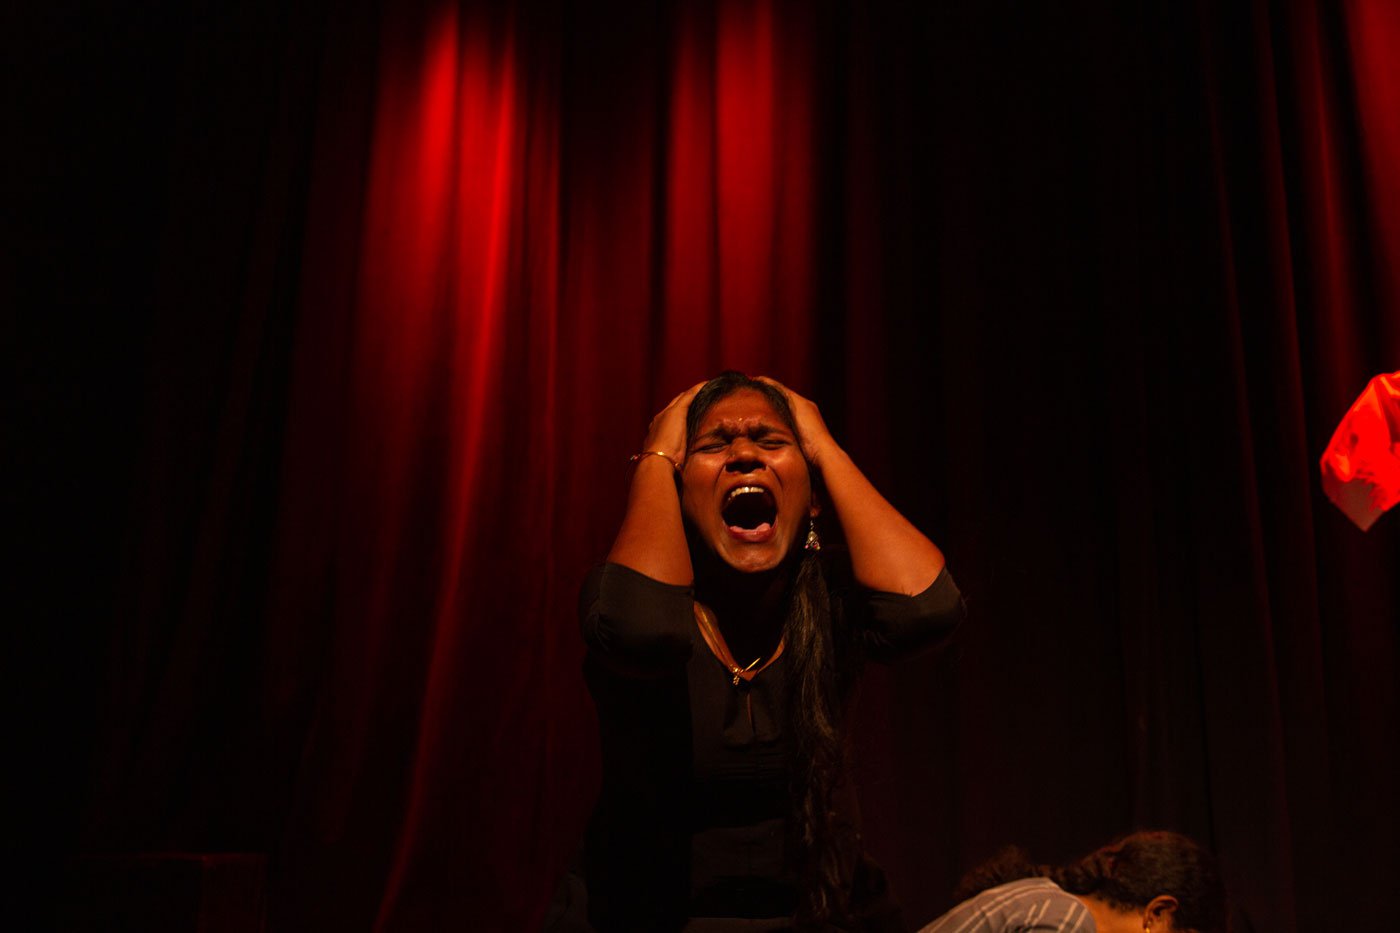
820, 670
1127, 873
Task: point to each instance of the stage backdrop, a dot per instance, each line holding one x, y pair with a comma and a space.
389, 292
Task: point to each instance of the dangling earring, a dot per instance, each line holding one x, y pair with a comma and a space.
813, 542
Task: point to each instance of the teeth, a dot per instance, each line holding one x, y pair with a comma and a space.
740, 490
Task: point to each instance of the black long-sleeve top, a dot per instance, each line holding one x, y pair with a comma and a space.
691, 821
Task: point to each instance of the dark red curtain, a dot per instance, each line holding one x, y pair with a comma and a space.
339, 323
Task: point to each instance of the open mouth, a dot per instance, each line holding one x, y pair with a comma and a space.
749, 512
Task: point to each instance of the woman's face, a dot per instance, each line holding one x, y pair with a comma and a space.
745, 486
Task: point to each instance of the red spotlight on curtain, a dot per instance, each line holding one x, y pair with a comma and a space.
418, 789
455, 420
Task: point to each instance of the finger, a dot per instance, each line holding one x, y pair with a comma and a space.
775, 384
779, 386
685, 398
678, 399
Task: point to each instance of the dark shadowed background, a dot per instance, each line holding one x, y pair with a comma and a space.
332, 326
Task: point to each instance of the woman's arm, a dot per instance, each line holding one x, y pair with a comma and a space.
635, 625
651, 540
887, 552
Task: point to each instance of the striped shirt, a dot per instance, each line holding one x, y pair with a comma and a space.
1027, 904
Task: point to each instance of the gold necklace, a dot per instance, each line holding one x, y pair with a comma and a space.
710, 630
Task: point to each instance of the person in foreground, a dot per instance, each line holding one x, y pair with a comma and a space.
756, 567
1149, 882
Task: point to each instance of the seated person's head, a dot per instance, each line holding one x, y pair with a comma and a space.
1160, 881
1150, 881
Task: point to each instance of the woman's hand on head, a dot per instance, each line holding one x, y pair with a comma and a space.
811, 428
651, 540
888, 554
666, 434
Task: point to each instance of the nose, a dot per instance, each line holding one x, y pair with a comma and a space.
744, 457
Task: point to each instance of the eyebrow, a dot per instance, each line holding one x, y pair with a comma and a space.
728, 432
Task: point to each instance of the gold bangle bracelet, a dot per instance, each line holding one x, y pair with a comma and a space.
656, 453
